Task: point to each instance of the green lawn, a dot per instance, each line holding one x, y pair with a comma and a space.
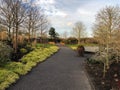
74, 46
44, 45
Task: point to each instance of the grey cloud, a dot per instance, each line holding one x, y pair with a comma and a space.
71, 7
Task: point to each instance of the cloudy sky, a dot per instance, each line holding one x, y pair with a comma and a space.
64, 13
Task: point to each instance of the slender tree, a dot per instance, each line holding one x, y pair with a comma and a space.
6, 17
105, 28
78, 30
65, 35
18, 18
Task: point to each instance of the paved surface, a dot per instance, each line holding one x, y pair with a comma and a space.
91, 49
63, 71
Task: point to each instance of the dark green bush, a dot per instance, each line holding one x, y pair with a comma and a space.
5, 53
92, 61
80, 50
71, 40
28, 47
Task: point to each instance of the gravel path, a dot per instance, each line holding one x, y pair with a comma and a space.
63, 71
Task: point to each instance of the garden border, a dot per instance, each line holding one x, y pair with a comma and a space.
21, 76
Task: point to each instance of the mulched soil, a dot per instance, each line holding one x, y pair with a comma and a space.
110, 82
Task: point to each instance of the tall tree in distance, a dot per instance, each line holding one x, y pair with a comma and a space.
44, 24
52, 33
65, 35
36, 21
79, 30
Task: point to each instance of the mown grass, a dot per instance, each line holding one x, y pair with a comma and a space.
74, 46
39, 45
11, 71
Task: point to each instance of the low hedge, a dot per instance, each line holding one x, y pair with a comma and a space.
11, 71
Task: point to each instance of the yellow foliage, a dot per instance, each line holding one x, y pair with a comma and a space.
61, 43
53, 43
3, 35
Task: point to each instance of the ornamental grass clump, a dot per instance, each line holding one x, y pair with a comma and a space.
6, 78
16, 67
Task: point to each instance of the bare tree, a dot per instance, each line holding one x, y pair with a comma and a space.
65, 35
12, 14
36, 21
6, 17
44, 25
105, 28
28, 22
18, 13
78, 30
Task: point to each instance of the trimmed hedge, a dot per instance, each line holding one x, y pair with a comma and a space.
11, 71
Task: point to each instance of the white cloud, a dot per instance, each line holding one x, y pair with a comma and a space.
46, 1
70, 24
61, 13
85, 12
24, 1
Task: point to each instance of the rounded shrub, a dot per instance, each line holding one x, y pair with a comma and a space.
28, 47
23, 50
80, 50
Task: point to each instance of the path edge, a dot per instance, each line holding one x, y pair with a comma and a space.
21, 76
89, 78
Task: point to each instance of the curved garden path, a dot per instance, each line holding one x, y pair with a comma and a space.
62, 71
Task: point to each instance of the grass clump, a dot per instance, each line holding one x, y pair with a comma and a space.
6, 78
